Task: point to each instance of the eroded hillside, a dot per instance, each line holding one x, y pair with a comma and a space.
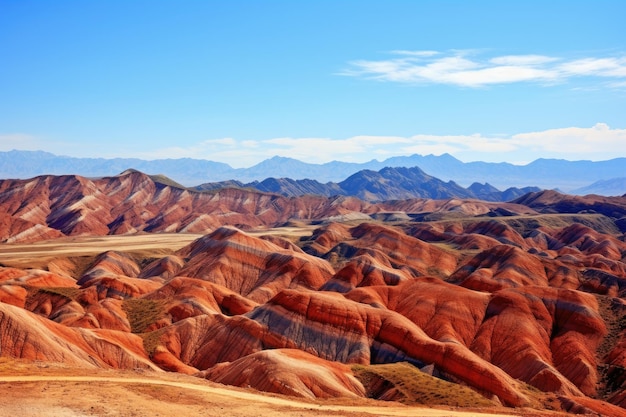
518, 303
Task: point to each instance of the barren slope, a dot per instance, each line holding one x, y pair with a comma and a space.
527, 310
49, 207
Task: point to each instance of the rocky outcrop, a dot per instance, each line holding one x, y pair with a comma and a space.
289, 372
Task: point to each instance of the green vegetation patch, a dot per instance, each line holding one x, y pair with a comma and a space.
142, 312
151, 341
405, 383
80, 265
614, 317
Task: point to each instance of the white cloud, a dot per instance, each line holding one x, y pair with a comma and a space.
504, 74
430, 148
597, 142
522, 60
415, 53
220, 150
321, 150
619, 84
469, 69
602, 67
464, 143
249, 143
576, 140
222, 141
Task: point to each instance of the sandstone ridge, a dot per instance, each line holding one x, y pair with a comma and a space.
520, 303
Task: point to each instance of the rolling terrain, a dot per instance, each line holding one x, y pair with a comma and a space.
453, 302
49, 207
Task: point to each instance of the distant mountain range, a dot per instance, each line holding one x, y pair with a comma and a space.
614, 186
386, 184
567, 176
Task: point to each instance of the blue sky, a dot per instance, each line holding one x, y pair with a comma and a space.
241, 81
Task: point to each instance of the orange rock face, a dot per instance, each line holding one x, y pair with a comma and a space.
290, 372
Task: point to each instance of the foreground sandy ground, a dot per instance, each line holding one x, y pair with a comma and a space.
37, 390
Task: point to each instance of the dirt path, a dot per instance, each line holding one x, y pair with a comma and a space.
258, 404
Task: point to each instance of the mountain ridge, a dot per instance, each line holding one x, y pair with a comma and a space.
610, 187
387, 184
543, 173
48, 207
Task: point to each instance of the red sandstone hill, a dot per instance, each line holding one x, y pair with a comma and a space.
489, 299
51, 206
219, 303
554, 202
48, 207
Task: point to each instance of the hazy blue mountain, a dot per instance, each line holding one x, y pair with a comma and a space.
400, 183
483, 190
544, 173
612, 187
27, 164
281, 167
386, 184
289, 187
510, 193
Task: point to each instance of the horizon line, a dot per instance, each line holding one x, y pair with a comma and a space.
373, 160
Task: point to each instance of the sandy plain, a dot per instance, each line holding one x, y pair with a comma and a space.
37, 254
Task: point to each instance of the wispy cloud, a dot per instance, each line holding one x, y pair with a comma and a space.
599, 139
473, 69
598, 142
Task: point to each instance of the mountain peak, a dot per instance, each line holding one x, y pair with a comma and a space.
543, 173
